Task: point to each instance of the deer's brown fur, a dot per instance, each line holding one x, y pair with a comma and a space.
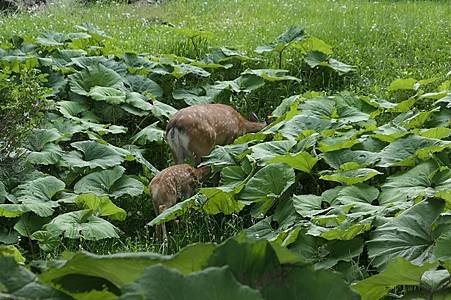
195, 130
172, 184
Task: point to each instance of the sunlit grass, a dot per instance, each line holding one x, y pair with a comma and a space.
384, 39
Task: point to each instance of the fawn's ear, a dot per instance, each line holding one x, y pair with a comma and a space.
268, 120
253, 117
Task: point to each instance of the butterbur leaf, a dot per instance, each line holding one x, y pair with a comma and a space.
101, 205
37, 195
351, 176
271, 74
94, 76
51, 39
93, 30
160, 109
149, 134
408, 235
82, 224
29, 223
402, 84
312, 43
398, 272
405, 151
267, 151
424, 181
108, 94
93, 155
292, 34
20, 283
337, 158
157, 282
268, 183
11, 251
48, 241
302, 161
177, 210
220, 201
434, 280
8, 236
138, 101
85, 265
143, 85
42, 150
109, 182
224, 155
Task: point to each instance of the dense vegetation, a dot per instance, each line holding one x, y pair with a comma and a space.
345, 192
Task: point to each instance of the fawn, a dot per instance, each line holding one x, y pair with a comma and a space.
193, 131
173, 183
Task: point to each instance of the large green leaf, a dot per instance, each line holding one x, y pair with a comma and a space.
82, 224
3, 193
350, 176
37, 195
306, 283
93, 155
177, 210
96, 75
51, 39
268, 183
254, 262
398, 272
405, 151
85, 265
294, 127
101, 205
402, 84
19, 283
263, 152
424, 180
300, 161
224, 155
11, 251
157, 282
409, 235
108, 94
42, 150
220, 201
335, 159
135, 101
143, 85
271, 74
29, 223
292, 34
149, 134
109, 182
160, 109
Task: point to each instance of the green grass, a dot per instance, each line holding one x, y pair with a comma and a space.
385, 39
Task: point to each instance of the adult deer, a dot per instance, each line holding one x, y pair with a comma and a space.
193, 131
171, 184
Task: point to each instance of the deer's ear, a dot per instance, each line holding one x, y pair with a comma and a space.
253, 117
269, 119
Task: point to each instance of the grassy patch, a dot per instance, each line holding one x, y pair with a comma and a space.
385, 40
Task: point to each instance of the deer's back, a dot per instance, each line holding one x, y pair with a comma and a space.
218, 123
172, 183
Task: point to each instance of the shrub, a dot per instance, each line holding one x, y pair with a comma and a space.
22, 102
